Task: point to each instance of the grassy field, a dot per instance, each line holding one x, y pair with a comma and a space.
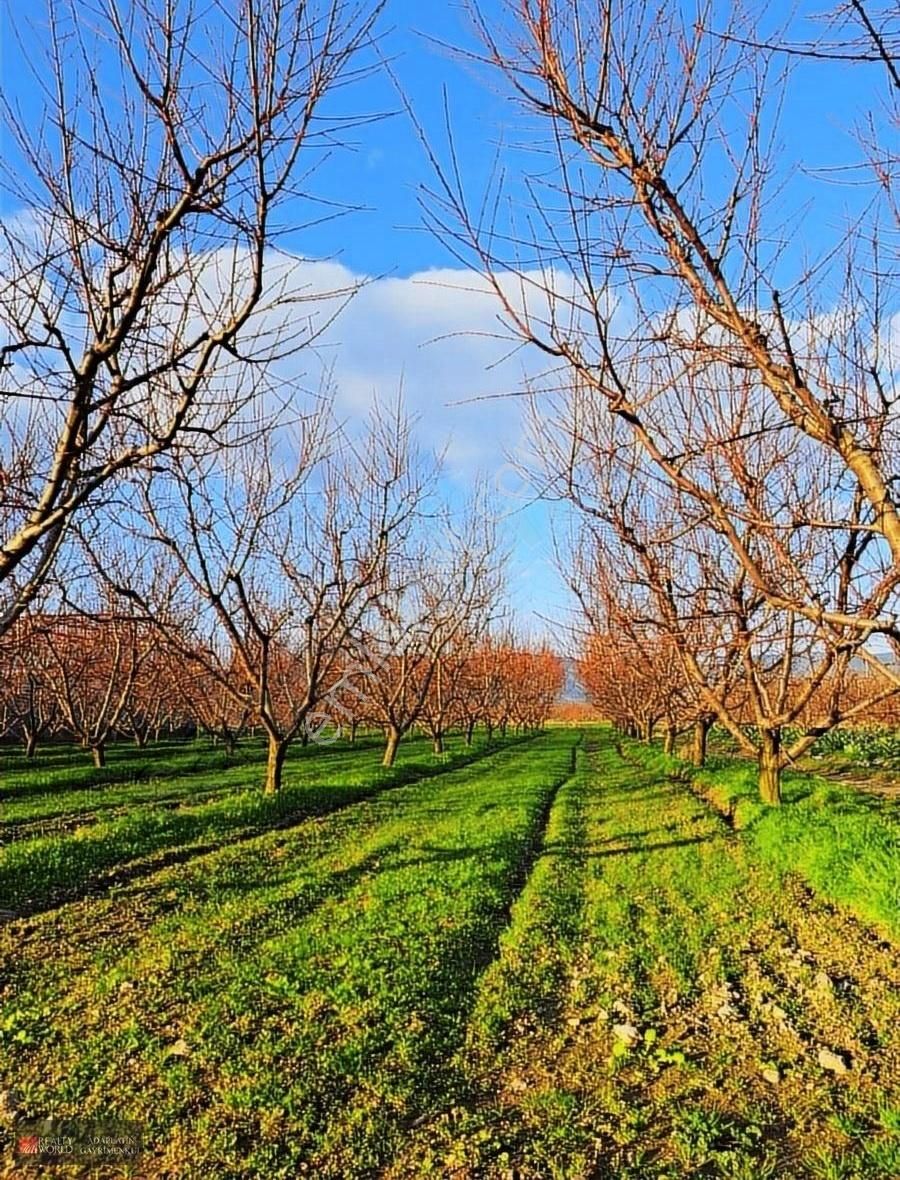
553, 957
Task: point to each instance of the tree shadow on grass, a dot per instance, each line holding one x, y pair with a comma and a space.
613, 796
115, 867
572, 850
603, 849
281, 913
192, 835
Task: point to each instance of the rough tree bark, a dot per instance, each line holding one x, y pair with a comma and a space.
702, 727
278, 749
391, 746
770, 763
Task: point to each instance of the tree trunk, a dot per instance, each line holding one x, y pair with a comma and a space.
470, 730
770, 766
99, 753
701, 731
437, 745
390, 749
30, 744
275, 764
353, 725
647, 727
669, 741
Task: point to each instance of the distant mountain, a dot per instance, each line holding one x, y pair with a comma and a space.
573, 689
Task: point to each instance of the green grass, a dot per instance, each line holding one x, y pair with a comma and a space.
524, 984
60, 784
65, 768
297, 1000
427, 980
633, 889
37, 871
642, 910
844, 843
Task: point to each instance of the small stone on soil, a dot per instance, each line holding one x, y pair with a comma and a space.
834, 1062
626, 1033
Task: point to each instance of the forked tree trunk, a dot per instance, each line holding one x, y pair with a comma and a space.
390, 749
275, 765
701, 731
770, 766
30, 744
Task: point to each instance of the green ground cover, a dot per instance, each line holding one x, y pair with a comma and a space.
36, 870
843, 842
59, 784
658, 1006
293, 1000
555, 960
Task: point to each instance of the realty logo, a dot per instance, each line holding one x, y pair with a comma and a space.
96, 1140
28, 1145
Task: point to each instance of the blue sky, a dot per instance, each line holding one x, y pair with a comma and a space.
388, 168
417, 326
388, 165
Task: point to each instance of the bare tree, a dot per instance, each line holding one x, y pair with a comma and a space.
27, 701
442, 704
657, 260
93, 659
536, 678
155, 703
629, 664
139, 270
481, 689
273, 567
742, 657
216, 705
446, 586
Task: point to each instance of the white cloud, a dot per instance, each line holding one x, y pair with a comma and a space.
439, 335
